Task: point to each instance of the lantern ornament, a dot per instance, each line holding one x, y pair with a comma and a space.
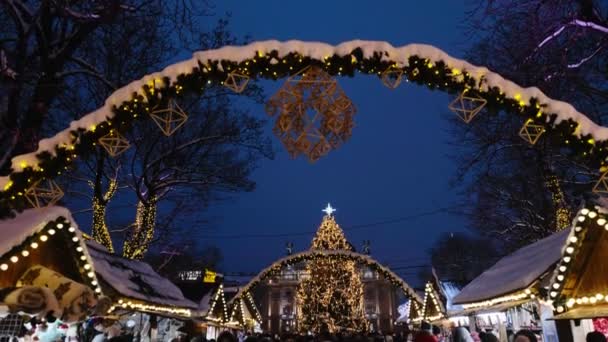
601, 186
114, 143
392, 77
236, 82
313, 114
169, 119
467, 106
531, 132
42, 194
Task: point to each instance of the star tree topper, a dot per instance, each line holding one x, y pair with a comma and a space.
328, 210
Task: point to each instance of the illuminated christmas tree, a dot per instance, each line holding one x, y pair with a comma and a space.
332, 295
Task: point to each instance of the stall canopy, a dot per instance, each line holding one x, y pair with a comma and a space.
516, 276
134, 285
579, 286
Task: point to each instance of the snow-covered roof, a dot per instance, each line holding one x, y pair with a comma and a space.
516, 271
136, 279
450, 290
16, 230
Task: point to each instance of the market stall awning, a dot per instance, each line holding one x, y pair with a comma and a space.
137, 285
584, 312
516, 271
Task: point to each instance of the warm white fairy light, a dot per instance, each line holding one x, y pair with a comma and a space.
4, 267
90, 274
51, 231
75, 239
601, 221
14, 259
25, 252
573, 239
43, 238
34, 245
71, 229
584, 211
592, 214
79, 249
59, 225
508, 298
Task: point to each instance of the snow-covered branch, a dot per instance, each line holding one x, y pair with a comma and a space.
572, 23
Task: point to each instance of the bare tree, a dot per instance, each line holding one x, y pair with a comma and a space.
517, 193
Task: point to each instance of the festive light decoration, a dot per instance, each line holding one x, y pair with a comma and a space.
571, 286
169, 119
132, 304
392, 77
562, 211
211, 68
467, 106
136, 245
601, 186
41, 194
218, 310
502, 299
531, 132
329, 122
100, 232
244, 313
43, 235
236, 81
114, 143
431, 308
333, 292
339, 255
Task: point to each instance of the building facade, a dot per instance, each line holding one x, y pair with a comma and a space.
276, 298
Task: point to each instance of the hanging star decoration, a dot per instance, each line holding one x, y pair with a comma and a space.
329, 210
467, 106
42, 194
236, 82
114, 143
313, 114
531, 132
169, 119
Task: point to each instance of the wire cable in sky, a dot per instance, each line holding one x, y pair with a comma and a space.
353, 227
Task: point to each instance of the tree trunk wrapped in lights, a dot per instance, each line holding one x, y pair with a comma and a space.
136, 244
100, 232
332, 296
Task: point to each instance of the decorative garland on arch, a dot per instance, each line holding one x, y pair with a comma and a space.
422, 64
276, 267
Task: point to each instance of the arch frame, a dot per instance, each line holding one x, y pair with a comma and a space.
276, 267
422, 64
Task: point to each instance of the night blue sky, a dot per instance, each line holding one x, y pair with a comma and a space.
395, 164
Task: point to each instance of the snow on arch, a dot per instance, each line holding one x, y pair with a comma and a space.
316, 50
310, 254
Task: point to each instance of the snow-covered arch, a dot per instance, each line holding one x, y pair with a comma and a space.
422, 64
362, 259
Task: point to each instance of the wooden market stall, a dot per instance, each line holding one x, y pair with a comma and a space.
134, 287
508, 296
46, 270
579, 286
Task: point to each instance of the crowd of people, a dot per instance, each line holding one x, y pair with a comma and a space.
426, 333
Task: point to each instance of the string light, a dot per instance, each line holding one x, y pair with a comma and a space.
503, 299
436, 73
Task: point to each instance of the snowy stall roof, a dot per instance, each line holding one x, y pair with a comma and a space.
399, 55
516, 271
136, 279
15, 231
450, 290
